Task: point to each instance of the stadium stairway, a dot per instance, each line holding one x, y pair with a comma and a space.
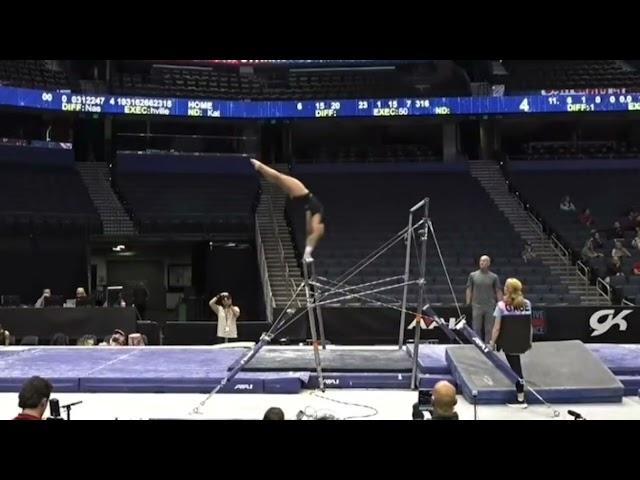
115, 220
492, 180
282, 267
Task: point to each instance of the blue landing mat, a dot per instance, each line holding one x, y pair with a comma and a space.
351, 360
561, 372
362, 380
620, 359
631, 384
157, 370
432, 359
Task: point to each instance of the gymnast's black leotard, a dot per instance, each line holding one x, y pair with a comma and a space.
311, 203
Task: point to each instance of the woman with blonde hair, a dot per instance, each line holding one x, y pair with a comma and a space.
510, 311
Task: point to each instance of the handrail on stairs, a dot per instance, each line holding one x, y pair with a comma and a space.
583, 271
556, 244
559, 248
289, 281
603, 288
264, 273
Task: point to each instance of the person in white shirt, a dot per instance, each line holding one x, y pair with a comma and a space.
40, 302
222, 305
619, 250
566, 205
5, 337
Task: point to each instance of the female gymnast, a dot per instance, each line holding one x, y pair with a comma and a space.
314, 211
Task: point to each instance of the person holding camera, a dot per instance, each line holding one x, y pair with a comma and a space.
440, 403
40, 302
5, 337
222, 305
444, 401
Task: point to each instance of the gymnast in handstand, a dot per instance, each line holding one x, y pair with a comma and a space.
314, 211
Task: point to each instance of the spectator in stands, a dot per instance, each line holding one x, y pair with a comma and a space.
40, 302
589, 252
614, 269
59, 339
118, 339
619, 250
444, 401
80, 293
273, 413
566, 205
636, 268
33, 398
586, 218
597, 240
140, 297
120, 303
483, 292
630, 222
528, 253
314, 211
616, 231
635, 243
81, 297
222, 305
136, 340
5, 337
86, 341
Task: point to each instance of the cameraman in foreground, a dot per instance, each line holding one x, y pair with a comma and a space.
33, 398
443, 402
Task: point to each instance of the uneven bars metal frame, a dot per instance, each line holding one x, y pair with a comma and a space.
276, 328
407, 262
376, 253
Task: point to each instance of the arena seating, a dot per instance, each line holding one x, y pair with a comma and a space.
608, 194
531, 75
574, 150
32, 74
428, 78
370, 153
39, 199
187, 193
190, 82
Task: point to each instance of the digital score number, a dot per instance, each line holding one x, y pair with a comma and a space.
327, 109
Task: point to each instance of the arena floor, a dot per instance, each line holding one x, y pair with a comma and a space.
389, 404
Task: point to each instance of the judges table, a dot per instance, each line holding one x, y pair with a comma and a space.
74, 322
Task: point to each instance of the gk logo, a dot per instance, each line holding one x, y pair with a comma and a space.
602, 327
